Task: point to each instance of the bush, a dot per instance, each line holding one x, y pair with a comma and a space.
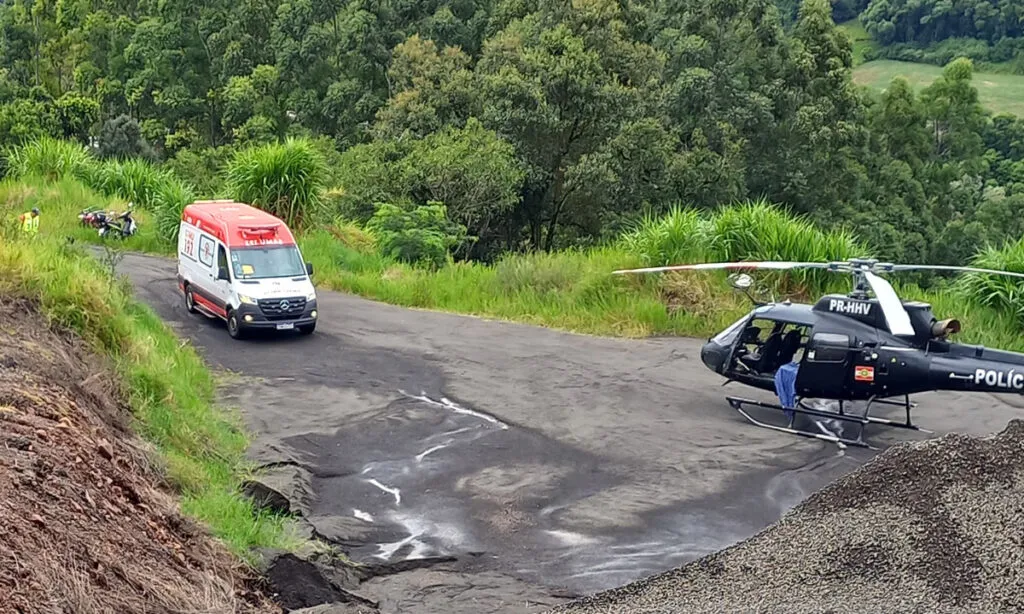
417, 234
203, 168
283, 179
121, 137
367, 174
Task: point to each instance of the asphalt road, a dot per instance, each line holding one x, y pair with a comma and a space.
550, 461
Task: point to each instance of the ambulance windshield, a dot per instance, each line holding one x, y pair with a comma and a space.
267, 262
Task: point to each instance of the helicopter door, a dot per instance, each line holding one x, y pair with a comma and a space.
824, 365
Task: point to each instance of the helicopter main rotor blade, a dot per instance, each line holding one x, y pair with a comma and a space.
939, 267
729, 265
895, 315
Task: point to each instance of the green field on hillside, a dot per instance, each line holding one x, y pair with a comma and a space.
999, 93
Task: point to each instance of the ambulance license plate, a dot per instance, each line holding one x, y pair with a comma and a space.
286, 326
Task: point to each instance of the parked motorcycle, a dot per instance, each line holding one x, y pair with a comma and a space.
110, 223
90, 216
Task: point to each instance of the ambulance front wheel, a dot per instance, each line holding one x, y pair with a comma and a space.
190, 300
233, 327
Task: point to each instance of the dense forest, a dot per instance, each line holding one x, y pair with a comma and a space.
539, 125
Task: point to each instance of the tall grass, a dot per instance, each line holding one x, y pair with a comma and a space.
61, 201
1001, 292
571, 290
745, 231
51, 159
286, 179
135, 180
169, 201
169, 389
681, 236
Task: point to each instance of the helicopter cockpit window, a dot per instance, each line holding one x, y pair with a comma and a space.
727, 336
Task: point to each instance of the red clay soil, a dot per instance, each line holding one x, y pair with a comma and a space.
85, 525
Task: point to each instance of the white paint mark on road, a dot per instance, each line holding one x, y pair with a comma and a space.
569, 538
449, 536
422, 455
455, 432
455, 407
388, 489
388, 550
361, 515
462, 410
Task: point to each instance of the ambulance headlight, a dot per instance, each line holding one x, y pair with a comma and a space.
311, 296
248, 300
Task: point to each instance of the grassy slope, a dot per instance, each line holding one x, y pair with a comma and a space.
170, 390
1000, 93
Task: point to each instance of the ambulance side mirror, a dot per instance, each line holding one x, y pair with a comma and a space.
309, 269
222, 273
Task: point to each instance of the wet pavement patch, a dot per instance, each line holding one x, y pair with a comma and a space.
428, 477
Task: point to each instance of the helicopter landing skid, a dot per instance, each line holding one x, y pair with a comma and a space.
737, 403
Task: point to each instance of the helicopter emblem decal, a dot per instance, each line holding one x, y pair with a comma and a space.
864, 374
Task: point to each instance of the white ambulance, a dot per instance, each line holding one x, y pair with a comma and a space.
242, 265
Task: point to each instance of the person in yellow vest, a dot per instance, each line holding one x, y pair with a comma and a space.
30, 222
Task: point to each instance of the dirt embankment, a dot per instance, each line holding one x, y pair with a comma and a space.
85, 524
935, 526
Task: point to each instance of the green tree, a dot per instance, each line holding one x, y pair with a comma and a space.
956, 115
472, 171
422, 235
560, 83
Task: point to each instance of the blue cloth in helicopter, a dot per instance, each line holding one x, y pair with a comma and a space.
785, 386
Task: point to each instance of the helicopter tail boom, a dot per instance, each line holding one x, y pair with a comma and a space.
998, 378
972, 369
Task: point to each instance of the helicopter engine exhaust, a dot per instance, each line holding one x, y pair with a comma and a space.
944, 328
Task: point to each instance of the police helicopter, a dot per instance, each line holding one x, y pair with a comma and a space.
848, 348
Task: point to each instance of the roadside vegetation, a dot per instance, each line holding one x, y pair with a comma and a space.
575, 289
168, 387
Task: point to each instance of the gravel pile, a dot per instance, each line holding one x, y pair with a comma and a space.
934, 526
